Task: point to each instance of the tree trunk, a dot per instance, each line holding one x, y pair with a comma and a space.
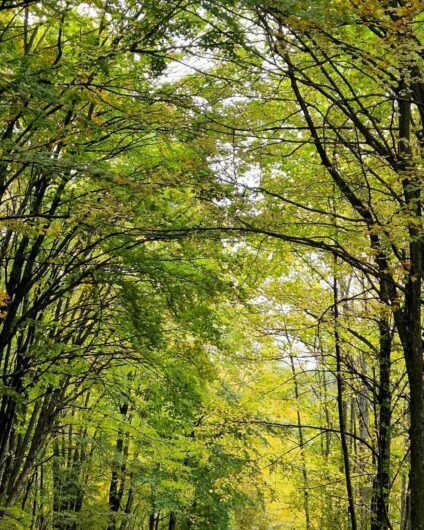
301, 446
172, 521
341, 408
409, 320
416, 437
116, 488
380, 504
409, 327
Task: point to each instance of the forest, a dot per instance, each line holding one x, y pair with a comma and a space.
211, 265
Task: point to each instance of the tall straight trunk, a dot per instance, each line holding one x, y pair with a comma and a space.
128, 508
116, 488
363, 404
414, 363
408, 320
380, 503
341, 406
301, 446
130, 495
405, 522
172, 521
34, 502
325, 441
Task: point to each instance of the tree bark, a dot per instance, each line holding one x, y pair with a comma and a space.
341, 408
409, 319
301, 447
380, 503
116, 488
172, 521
